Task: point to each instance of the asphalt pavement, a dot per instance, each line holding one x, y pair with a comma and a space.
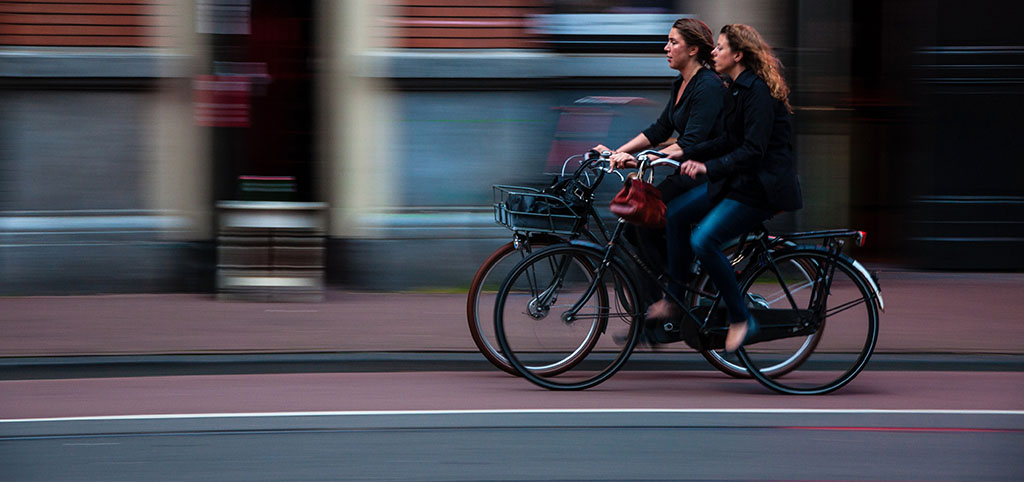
559, 445
888, 425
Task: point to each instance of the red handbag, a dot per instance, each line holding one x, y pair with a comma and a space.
640, 203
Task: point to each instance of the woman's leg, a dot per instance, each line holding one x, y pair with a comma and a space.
725, 221
680, 215
651, 242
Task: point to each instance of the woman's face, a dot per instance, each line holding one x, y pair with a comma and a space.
677, 52
723, 56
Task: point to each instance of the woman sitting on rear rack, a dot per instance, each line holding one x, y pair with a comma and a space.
750, 171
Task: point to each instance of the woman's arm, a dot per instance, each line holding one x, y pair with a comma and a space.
757, 129
661, 129
710, 148
637, 144
623, 156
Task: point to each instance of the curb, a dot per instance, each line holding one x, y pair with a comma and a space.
41, 368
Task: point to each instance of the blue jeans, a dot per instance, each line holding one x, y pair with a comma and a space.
716, 223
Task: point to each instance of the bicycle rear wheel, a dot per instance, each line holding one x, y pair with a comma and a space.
843, 334
564, 321
729, 363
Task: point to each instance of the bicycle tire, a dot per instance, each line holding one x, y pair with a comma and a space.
851, 314
541, 275
478, 328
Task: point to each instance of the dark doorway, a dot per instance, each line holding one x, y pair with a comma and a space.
275, 143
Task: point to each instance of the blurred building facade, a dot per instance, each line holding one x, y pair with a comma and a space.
125, 123
102, 171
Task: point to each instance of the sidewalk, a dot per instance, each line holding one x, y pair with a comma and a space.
926, 312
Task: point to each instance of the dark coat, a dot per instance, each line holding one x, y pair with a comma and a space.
695, 116
753, 161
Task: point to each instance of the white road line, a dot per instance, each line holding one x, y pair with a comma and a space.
173, 416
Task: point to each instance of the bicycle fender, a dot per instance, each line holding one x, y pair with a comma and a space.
876, 290
871, 282
587, 244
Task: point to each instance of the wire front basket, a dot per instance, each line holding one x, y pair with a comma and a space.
528, 210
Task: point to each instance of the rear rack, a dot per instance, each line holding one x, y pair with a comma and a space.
858, 236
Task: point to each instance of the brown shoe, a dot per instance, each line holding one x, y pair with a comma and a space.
740, 334
734, 340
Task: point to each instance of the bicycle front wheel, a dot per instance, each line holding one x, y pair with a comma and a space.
843, 324
564, 320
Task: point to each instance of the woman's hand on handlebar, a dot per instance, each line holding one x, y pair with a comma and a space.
617, 160
621, 160
692, 168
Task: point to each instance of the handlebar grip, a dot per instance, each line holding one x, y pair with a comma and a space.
665, 162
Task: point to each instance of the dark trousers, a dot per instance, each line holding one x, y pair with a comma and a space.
698, 226
650, 242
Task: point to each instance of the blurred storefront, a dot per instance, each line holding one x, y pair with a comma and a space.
468, 96
124, 124
101, 168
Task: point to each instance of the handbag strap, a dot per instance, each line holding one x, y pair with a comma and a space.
636, 174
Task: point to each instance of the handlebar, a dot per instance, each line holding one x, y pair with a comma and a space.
592, 160
646, 162
600, 161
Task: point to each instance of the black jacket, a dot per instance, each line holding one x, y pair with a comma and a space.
753, 161
695, 116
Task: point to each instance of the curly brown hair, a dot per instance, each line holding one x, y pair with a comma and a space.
759, 57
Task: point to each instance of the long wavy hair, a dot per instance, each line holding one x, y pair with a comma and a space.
759, 57
697, 34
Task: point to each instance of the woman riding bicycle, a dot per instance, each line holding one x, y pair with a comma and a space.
693, 110
750, 171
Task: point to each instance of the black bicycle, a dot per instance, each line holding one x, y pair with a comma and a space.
557, 214
569, 316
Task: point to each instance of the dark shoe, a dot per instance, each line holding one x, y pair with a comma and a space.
646, 340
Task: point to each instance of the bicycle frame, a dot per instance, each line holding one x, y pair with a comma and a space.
662, 280
761, 249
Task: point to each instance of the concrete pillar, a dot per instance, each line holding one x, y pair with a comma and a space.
356, 127
178, 173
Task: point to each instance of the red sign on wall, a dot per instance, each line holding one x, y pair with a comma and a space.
222, 101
